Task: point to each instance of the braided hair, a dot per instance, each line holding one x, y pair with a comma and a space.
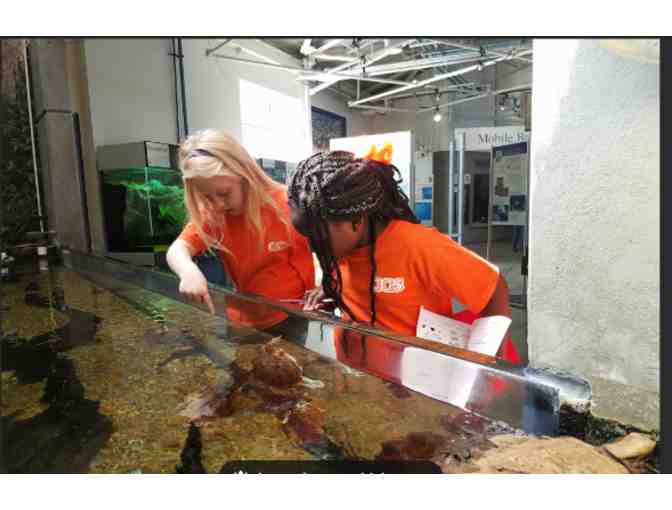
336, 186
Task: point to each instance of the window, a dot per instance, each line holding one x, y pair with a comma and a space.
274, 125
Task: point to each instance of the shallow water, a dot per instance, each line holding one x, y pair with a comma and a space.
116, 379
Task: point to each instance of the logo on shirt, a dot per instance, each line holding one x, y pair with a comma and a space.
278, 245
388, 285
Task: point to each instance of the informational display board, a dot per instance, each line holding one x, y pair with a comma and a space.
401, 152
424, 188
484, 138
509, 184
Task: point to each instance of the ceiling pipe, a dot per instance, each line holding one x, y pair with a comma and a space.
422, 83
527, 86
486, 50
519, 88
329, 44
320, 76
332, 58
384, 109
451, 88
369, 59
363, 44
353, 61
306, 72
212, 50
412, 65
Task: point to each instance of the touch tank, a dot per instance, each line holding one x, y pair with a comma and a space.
100, 375
106, 370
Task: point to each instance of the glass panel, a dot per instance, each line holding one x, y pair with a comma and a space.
107, 376
143, 207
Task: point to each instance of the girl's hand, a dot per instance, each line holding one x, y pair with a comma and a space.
194, 285
313, 299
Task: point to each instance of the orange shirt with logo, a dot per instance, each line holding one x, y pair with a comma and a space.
279, 268
415, 266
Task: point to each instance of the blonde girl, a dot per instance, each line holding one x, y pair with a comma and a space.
240, 213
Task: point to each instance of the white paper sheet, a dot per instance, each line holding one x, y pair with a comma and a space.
484, 336
432, 326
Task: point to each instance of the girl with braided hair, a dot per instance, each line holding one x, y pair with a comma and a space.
239, 212
379, 264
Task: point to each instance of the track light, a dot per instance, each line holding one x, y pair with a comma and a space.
502, 102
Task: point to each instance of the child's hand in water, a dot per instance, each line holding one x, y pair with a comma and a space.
194, 285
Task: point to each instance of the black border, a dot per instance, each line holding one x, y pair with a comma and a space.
665, 443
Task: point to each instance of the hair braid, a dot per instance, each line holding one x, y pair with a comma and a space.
336, 186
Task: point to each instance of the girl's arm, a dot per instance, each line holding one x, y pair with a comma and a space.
192, 282
499, 302
499, 305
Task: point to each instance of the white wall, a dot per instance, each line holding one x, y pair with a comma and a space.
213, 85
131, 90
594, 279
213, 88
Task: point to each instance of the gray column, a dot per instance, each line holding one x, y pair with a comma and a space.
59, 160
594, 280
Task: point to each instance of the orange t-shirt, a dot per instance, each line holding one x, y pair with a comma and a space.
283, 269
415, 266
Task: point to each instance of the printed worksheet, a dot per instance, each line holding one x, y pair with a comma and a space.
485, 335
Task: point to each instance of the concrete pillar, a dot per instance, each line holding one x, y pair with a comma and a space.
594, 281
59, 158
75, 60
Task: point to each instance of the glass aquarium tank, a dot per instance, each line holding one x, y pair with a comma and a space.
143, 199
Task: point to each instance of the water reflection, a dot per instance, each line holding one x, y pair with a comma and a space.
125, 380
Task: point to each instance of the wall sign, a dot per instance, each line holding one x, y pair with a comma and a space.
483, 139
509, 193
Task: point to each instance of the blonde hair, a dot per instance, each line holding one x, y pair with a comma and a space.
210, 153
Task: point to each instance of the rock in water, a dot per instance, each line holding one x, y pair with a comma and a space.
555, 455
630, 446
275, 367
414, 446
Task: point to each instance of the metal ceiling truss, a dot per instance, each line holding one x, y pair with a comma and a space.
363, 61
419, 55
